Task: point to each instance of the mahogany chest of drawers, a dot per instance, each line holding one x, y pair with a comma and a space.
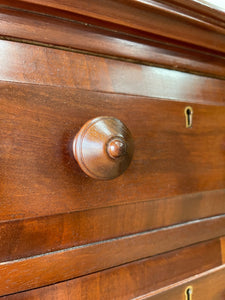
155, 227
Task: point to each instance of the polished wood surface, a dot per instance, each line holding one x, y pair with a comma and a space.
37, 65
160, 225
58, 266
39, 120
169, 158
158, 20
208, 285
50, 31
103, 148
122, 282
35, 236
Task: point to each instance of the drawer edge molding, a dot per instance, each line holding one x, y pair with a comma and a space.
23, 274
143, 272
59, 69
208, 284
38, 29
27, 237
199, 26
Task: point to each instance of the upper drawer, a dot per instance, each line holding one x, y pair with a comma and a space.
39, 120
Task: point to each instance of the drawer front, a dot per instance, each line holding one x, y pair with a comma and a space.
208, 285
39, 123
139, 277
181, 169
49, 204
151, 75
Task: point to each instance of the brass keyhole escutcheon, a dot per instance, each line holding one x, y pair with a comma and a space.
188, 111
188, 293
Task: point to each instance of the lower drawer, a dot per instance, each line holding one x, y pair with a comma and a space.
209, 285
191, 265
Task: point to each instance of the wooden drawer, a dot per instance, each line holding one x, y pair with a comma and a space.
39, 122
40, 176
160, 222
49, 204
208, 285
187, 266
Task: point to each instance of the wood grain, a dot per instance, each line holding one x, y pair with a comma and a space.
34, 236
38, 124
76, 35
43, 66
123, 282
117, 239
157, 19
222, 242
208, 285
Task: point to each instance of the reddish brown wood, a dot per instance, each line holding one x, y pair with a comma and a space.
57, 224
191, 9
123, 282
222, 242
207, 285
38, 124
23, 238
152, 18
58, 266
47, 30
103, 148
199, 9
44, 66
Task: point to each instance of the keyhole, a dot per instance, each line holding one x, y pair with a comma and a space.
188, 111
188, 293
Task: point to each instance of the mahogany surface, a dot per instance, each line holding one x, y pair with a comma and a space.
58, 266
29, 64
130, 280
208, 285
50, 31
154, 19
158, 227
38, 235
38, 124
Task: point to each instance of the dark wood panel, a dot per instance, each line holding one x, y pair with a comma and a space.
58, 32
44, 66
39, 176
208, 285
23, 238
152, 18
123, 282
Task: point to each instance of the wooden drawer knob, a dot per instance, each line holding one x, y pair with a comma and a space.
103, 148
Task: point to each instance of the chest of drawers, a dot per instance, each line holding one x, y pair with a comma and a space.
157, 230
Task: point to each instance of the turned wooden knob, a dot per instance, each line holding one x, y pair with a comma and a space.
103, 148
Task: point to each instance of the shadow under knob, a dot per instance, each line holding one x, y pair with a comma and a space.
103, 148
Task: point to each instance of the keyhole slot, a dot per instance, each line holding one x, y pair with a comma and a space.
188, 111
188, 293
